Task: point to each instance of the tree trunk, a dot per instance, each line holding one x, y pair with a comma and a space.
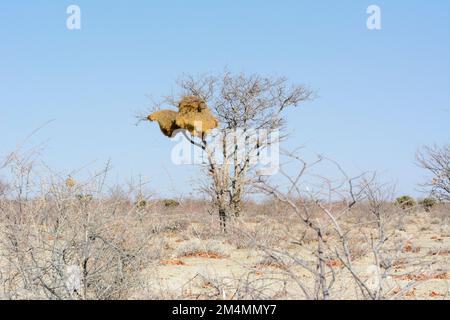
223, 220
236, 203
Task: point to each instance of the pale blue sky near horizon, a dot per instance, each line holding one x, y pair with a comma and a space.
381, 94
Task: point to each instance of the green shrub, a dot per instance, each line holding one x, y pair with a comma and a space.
141, 204
85, 198
428, 204
405, 202
170, 203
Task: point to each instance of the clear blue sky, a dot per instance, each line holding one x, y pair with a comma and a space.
382, 94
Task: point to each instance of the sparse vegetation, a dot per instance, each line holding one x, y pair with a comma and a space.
202, 248
170, 203
340, 238
141, 204
405, 202
436, 161
58, 243
427, 204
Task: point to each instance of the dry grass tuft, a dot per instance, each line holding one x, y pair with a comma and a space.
204, 249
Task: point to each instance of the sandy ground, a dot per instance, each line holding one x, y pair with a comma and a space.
421, 270
196, 263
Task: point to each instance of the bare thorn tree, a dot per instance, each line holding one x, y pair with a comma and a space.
243, 104
436, 160
324, 205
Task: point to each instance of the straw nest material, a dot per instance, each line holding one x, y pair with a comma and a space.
166, 120
193, 115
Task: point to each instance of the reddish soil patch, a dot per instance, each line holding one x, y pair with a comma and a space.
207, 285
396, 290
207, 255
172, 263
335, 263
435, 294
399, 263
411, 293
442, 276
410, 248
423, 277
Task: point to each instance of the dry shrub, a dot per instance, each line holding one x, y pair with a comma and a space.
199, 248
108, 252
56, 244
170, 203
442, 212
249, 236
274, 261
358, 248
202, 231
160, 224
249, 286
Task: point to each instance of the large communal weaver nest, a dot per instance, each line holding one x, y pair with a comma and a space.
166, 120
193, 115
